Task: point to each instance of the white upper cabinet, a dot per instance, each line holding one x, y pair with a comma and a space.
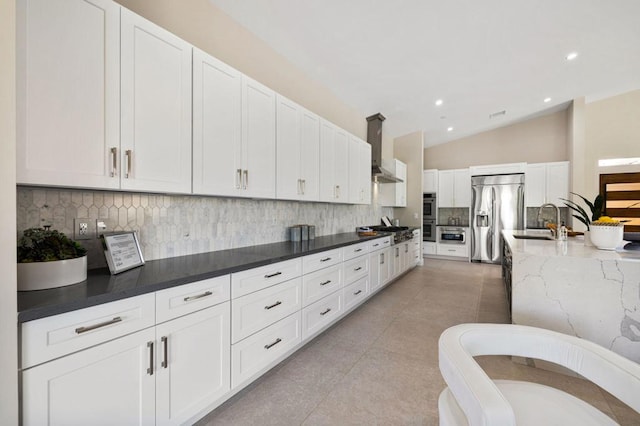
430, 181
546, 183
217, 128
395, 194
454, 188
155, 107
359, 171
334, 161
298, 152
258, 174
497, 169
68, 92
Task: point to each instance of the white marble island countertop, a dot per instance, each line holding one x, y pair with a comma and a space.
577, 289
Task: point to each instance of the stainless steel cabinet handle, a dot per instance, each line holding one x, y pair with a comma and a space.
376, 245
81, 330
128, 153
325, 312
406, 248
382, 258
397, 252
199, 296
165, 346
337, 191
304, 186
326, 259
238, 178
114, 161
274, 305
150, 369
246, 179
356, 251
299, 186
270, 345
273, 275
357, 292
326, 282
358, 268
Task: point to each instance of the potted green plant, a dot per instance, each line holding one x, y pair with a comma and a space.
582, 215
49, 259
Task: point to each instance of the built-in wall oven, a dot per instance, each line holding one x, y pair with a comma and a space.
429, 217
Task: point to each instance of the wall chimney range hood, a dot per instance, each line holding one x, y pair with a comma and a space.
374, 137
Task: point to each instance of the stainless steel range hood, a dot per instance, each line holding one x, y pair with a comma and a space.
374, 137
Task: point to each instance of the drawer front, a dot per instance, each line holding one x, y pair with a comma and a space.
255, 279
355, 269
181, 300
48, 338
318, 261
452, 250
355, 293
322, 313
321, 283
258, 310
380, 243
355, 250
258, 351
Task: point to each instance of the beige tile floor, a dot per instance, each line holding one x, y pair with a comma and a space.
379, 365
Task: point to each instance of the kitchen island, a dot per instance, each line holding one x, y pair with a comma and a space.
576, 289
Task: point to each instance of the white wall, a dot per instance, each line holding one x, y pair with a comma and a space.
8, 309
408, 149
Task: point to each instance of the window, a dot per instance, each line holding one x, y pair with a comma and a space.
621, 192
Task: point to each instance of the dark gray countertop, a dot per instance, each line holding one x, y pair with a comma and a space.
102, 287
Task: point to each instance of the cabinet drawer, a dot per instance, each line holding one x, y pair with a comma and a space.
177, 301
356, 268
355, 250
380, 244
256, 352
48, 338
255, 279
321, 283
322, 313
452, 250
355, 293
258, 310
318, 261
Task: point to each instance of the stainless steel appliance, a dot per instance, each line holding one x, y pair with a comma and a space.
497, 203
429, 230
449, 235
429, 217
400, 233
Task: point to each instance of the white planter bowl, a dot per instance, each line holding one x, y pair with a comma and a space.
46, 275
606, 237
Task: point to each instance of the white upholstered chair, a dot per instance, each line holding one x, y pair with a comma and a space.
473, 398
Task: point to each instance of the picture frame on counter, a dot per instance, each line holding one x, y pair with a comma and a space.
122, 251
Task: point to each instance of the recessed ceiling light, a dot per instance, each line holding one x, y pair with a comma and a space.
546, 100
439, 102
449, 129
571, 56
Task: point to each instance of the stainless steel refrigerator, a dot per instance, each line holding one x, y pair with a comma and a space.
497, 203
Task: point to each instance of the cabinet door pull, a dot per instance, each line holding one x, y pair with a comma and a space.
299, 186
238, 178
376, 245
274, 305
326, 259
357, 250
270, 345
81, 330
325, 312
165, 346
128, 153
304, 186
326, 282
114, 161
198, 296
357, 269
382, 258
357, 292
273, 275
246, 179
150, 369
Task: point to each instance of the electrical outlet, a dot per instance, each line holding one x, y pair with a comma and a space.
83, 229
102, 226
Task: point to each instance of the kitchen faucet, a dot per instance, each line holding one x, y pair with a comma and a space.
557, 231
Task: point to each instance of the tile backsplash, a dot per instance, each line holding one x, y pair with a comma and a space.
177, 225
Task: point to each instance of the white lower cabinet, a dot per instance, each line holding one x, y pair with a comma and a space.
256, 352
456, 250
192, 364
105, 385
321, 313
356, 293
319, 284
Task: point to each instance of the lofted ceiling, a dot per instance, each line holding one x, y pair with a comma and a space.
398, 57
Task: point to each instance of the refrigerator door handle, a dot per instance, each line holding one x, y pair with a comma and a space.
492, 225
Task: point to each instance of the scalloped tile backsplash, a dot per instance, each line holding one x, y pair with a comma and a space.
178, 225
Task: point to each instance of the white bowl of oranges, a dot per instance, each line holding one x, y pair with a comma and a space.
606, 233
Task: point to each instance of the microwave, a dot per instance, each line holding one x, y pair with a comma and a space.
449, 235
